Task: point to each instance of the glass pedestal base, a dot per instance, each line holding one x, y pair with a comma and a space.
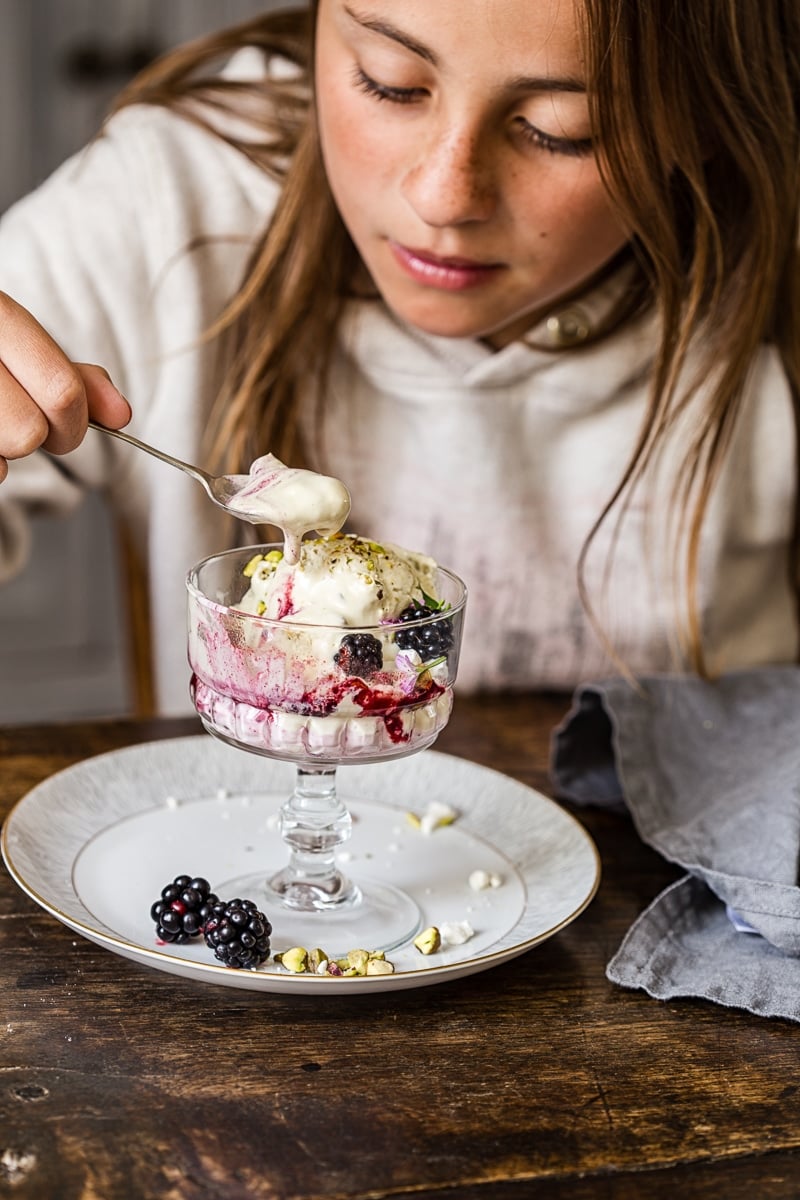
374, 916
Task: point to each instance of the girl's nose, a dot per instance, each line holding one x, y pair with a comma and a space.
451, 182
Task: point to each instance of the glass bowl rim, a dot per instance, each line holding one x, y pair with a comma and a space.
284, 623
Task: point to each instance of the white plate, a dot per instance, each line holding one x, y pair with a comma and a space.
95, 844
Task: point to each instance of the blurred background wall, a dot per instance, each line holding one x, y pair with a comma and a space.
64, 647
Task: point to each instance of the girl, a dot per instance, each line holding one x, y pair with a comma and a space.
523, 274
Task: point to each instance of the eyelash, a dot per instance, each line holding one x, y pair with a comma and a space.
380, 91
573, 147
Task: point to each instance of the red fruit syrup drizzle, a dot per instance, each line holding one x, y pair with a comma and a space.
375, 703
286, 606
324, 702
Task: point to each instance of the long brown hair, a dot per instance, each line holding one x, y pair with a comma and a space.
695, 110
280, 327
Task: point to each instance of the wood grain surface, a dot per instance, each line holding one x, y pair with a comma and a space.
536, 1079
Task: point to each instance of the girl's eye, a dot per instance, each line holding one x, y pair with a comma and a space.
382, 91
572, 147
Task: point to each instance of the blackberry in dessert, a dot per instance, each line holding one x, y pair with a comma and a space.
359, 654
430, 641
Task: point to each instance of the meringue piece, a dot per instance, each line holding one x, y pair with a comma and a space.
480, 880
455, 933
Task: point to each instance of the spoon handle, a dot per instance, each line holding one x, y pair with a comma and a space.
195, 472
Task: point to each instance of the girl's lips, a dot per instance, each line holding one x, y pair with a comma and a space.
449, 274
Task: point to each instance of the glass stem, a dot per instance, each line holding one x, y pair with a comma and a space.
314, 823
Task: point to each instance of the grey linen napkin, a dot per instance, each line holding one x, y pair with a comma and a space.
710, 773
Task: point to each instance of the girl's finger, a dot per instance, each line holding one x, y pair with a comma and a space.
106, 403
52, 383
23, 425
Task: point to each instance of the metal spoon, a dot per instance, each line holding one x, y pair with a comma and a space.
295, 500
220, 488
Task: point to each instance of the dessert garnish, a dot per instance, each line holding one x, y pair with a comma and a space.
437, 937
238, 933
234, 929
359, 654
480, 880
429, 940
182, 909
353, 582
436, 816
358, 963
455, 933
429, 641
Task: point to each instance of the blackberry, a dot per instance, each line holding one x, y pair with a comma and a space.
429, 641
238, 933
359, 654
183, 908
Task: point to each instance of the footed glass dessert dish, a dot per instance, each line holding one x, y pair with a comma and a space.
322, 696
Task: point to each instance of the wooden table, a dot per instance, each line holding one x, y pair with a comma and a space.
536, 1079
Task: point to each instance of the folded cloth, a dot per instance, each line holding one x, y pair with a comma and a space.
710, 773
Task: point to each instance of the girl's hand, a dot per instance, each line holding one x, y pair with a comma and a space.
45, 399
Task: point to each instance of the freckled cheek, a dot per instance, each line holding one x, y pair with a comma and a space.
349, 143
586, 219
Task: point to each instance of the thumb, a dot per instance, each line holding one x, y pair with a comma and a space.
106, 403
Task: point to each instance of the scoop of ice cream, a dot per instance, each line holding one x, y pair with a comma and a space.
294, 500
346, 580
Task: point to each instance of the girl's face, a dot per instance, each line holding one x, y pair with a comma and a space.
456, 139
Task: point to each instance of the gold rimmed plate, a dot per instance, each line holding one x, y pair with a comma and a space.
95, 843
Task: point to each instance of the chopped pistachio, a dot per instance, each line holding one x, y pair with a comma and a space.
261, 608
274, 556
358, 959
379, 966
295, 960
252, 564
355, 964
316, 959
429, 940
413, 819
